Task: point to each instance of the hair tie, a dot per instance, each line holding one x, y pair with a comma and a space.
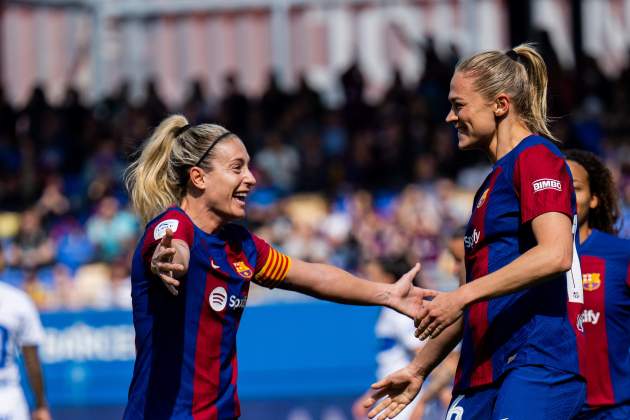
181, 130
218, 139
514, 56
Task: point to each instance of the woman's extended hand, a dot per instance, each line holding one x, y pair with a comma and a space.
436, 315
162, 265
395, 392
407, 298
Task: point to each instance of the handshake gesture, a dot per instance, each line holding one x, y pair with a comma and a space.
395, 392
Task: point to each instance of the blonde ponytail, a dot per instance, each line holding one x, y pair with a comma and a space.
150, 180
520, 73
536, 69
158, 178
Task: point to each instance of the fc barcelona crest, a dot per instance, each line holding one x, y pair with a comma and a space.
483, 197
242, 269
591, 281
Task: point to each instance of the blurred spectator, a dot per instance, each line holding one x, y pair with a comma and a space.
273, 102
196, 105
74, 247
279, 162
53, 203
32, 247
121, 284
8, 117
153, 105
235, 106
111, 229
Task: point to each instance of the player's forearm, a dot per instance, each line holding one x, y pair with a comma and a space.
34, 373
333, 284
534, 266
437, 349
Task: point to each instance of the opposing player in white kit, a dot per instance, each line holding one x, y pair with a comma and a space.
394, 332
20, 329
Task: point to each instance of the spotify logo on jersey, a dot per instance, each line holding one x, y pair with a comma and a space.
218, 299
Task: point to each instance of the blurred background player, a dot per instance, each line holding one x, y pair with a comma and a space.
435, 397
605, 259
20, 330
394, 332
398, 348
190, 183
519, 349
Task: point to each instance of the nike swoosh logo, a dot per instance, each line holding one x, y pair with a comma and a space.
213, 265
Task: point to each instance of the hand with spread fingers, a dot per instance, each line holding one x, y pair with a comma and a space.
162, 263
436, 315
407, 298
393, 393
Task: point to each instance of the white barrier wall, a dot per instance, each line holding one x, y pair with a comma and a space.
97, 46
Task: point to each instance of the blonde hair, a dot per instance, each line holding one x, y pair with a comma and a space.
522, 74
158, 178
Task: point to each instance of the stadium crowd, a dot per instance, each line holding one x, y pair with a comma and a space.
347, 184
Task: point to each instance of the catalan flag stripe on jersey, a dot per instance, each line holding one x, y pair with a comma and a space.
274, 270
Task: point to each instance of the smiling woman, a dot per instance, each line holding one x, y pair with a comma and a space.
189, 183
518, 356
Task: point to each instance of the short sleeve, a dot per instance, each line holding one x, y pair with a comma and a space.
31, 331
272, 266
172, 219
543, 183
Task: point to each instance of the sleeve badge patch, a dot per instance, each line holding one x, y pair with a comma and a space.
160, 229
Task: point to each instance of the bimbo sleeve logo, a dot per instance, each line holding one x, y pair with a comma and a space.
160, 230
547, 184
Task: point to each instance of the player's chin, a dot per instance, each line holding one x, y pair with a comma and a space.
238, 211
465, 142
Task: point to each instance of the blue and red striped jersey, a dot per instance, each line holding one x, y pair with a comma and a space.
605, 357
531, 326
186, 365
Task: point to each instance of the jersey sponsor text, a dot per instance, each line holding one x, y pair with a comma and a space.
547, 184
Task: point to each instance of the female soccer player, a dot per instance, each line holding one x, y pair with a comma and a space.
519, 347
189, 183
605, 261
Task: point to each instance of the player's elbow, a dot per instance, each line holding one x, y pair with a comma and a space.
562, 259
565, 263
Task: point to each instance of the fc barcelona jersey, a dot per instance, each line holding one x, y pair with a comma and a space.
605, 358
186, 365
530, 326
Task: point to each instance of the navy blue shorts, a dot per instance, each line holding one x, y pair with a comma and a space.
617, 412
523, 393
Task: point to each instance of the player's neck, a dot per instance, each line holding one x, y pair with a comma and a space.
203, 218
585, 232
508, 135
